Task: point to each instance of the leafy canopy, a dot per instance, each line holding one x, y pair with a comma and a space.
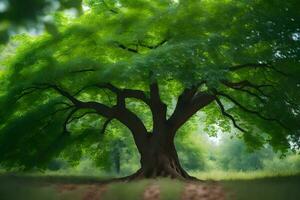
245, 53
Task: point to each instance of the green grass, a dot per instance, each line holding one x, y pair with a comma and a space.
22, 187
242, 175
274, 188
126, 191
170, 189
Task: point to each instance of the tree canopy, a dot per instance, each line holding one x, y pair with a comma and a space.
236, 61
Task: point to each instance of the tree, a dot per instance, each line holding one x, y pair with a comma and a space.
234, 155
151, 66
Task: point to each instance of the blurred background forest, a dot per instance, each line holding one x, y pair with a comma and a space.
220, 156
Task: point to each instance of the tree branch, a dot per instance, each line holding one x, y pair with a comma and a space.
256, 66
251, 111
125, 116
30, 90
127, 93
188, 105
241, 88
105, 125
122, 114
135, 50
243, 84
82, 115
158, 107
228, 115
62, 109
66, 122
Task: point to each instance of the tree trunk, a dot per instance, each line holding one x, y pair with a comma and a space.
159, 159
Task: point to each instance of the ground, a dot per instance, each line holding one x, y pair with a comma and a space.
74, 188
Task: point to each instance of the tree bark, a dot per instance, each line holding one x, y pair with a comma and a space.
158, 153
159, 159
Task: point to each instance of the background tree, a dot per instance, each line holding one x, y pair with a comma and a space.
234, 155
151, 66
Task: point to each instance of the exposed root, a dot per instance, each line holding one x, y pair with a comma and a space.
166, 172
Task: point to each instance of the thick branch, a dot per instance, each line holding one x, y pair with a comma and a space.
118, 112
127, 93
122, 114
187, 106
188, 103
157, 107
154, 93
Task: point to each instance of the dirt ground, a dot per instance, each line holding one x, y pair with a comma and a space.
84, 188
191, 191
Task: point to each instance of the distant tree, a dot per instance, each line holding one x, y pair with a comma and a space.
233, 154
151, 66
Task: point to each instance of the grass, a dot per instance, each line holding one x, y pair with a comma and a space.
273, 188
34, 187
241, 175
126, 191
170, 189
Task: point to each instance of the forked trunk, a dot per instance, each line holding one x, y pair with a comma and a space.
158, 154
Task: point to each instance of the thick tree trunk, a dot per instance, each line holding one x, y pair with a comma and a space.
159, 159
162, 161
158, 154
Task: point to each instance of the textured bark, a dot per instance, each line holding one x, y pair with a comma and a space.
159, 159
162, 161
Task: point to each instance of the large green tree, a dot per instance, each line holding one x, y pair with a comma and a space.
150, 66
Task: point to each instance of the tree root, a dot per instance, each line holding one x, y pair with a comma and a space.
168, 172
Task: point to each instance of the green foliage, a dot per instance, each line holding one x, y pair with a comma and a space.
180, 44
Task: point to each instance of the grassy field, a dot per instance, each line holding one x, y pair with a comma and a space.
89, 188
273, 188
